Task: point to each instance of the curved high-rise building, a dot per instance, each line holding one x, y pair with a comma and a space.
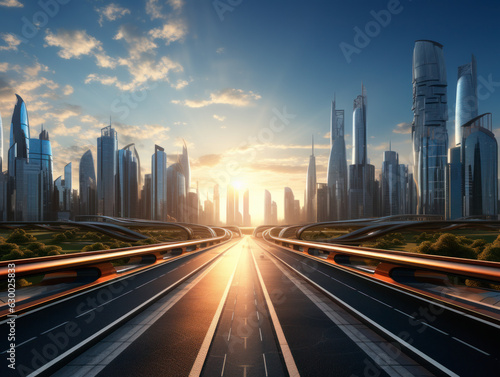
20, 129
466, 104
480, 166
337, 167
88, 184
359, 129
429, 134
311, 188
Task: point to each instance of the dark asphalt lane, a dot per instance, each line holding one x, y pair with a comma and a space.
464, 345
170, 346
244, 343
318, 346
45, 334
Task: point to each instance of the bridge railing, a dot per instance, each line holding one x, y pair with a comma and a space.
458, 266
404, 269
95, 267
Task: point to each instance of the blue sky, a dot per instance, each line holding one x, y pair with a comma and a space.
218, 73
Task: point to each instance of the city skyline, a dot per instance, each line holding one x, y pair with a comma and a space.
55, 80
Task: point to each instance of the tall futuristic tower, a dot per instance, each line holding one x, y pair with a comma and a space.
359, 156
128, 182
480, 166
467, 104
390, 183
19, 131
176, 192
429, 134
267, 207
159, 196
311, 188
337, 167
88, 184
289, 204
40, 156
22, 179
186, 168
361, 174
107, 147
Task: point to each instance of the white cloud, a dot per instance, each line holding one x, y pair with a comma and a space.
63, 113
11, 3
4, 67
88, 119
62, 130
73, 43
180, 84
220, 118
67, 90
402, 128
176, 4
228, 96
170, 32
103, 79
220, 50
154, 9
11, 40
138, 43
111, 12
35, 69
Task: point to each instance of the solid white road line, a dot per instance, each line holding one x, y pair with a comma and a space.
176, 298
205, 346
283, 344
372, 322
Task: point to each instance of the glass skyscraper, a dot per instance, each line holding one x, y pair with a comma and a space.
267, 208
337, 167
289, 202
20, 176
186, 168
311, 188
429, 134
230, 207
466, 104
20, 130
361, 174
176, 192
88, 186
390, 184
107, 147
216, 205
159, 184
128, 182
454, 184
480, 166
359, 156
40, 155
